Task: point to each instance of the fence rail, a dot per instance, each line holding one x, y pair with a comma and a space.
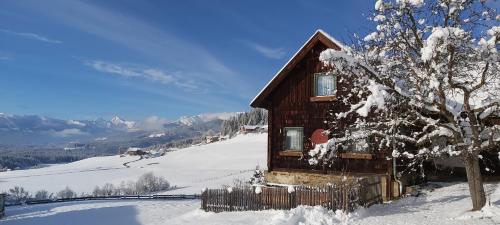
114, 197
345, 197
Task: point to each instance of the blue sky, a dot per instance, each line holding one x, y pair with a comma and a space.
87, 59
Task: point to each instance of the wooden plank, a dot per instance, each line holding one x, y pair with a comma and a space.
322, 98
345, 197
290, 153
356, 155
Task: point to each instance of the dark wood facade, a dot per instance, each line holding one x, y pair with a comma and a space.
290, 101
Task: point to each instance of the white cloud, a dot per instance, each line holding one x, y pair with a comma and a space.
153, 123
174, 52
145, 73
32, 36
196, 70
76, 122
272, 53
68, 132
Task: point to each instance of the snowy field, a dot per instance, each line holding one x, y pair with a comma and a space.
214, 165
449, 204
191, 169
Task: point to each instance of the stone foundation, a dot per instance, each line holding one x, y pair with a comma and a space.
316, 179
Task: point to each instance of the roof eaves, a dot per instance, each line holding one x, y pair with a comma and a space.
338, 43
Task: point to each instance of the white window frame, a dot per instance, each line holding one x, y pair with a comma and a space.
301, 139
316, 75
361, 143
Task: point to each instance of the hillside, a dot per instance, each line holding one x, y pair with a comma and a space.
28, 141
191, 169
213, 165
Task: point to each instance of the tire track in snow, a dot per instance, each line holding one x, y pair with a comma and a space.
126, 164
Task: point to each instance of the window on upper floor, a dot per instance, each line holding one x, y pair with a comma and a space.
325, 84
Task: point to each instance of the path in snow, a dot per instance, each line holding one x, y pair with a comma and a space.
133, 161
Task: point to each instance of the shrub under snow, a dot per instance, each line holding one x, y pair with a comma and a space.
146, 184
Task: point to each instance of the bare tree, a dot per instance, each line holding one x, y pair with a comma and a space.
43, 195
18, 195
429, 74
66, 193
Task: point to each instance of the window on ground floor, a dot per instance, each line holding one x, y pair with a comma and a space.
360, 141
293, 138
360, 145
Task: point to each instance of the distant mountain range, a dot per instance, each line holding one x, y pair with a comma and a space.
34, 130
203, 118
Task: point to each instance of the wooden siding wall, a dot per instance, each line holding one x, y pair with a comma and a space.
290, 106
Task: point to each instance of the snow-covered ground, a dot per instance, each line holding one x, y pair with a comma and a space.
214, 165
191, 169
449, 204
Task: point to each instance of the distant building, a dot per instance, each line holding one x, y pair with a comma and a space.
253, 129
75, 146
135, 151
154, 154
210, 139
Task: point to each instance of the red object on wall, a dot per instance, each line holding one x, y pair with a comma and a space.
318, 137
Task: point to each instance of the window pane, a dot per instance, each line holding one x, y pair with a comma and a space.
361, 145
293, 139
325, 85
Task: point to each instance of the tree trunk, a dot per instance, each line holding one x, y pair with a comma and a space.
475, 181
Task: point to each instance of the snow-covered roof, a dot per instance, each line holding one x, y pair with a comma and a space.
133, 149
319, 35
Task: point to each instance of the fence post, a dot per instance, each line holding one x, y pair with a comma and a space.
230, 196
204, 199
2, 205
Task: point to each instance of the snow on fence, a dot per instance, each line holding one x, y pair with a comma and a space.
2, 205
346, 197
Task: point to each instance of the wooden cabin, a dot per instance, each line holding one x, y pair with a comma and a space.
211, 139
299, 99
135, 152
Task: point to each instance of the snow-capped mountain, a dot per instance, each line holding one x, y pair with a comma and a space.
191, 120
40, 130
157, 135
117, 121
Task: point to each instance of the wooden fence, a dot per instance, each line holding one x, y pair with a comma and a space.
113, 197
345, 197
2, 205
